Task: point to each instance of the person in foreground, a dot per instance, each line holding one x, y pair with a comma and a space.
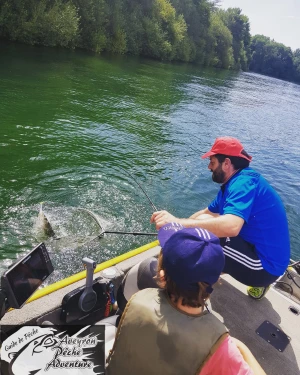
247, 215
169, 330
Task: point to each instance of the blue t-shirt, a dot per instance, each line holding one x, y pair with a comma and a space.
248, 195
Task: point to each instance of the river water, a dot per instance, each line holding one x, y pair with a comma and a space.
72, 121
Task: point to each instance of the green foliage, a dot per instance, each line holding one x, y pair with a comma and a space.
296, 62
93, 16
185, 50
156, 43
13, 14
134, 29
115, 32
271, 58
164, 31
183, 30
219, 48
196, 14
238, 24
41, 22
55, 26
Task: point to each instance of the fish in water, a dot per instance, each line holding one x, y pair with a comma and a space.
42, 224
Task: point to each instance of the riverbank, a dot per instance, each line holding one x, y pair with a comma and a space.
196, 32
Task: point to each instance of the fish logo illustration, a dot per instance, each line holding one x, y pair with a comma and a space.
31, 359
36, 351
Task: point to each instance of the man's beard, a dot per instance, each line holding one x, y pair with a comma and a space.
218, 175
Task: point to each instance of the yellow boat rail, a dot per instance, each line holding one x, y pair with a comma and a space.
81, 275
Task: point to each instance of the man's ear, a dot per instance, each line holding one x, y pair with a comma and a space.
162, 278
226, 163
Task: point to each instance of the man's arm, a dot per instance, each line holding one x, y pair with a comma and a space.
203, 214
227, 225
249, 357
230, 356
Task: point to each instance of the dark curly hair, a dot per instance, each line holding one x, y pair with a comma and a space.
236, 161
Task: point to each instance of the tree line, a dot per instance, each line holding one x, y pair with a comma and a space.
195, 31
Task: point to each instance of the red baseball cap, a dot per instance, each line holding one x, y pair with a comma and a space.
227, 146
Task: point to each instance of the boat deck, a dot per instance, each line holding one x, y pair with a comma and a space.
241, 314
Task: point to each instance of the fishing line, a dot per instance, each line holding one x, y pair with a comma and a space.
152, 204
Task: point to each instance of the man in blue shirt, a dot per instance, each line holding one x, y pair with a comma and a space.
247, 215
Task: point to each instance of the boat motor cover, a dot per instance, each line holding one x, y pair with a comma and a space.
71, 311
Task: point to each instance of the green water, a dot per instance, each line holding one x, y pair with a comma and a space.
70, 121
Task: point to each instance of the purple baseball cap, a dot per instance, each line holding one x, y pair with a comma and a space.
191, 255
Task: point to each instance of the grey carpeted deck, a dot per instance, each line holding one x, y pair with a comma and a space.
243, 315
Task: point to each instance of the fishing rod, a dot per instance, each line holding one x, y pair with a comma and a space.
152, 204
100, 235
132, 233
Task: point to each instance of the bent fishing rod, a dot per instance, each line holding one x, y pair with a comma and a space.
152, 204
